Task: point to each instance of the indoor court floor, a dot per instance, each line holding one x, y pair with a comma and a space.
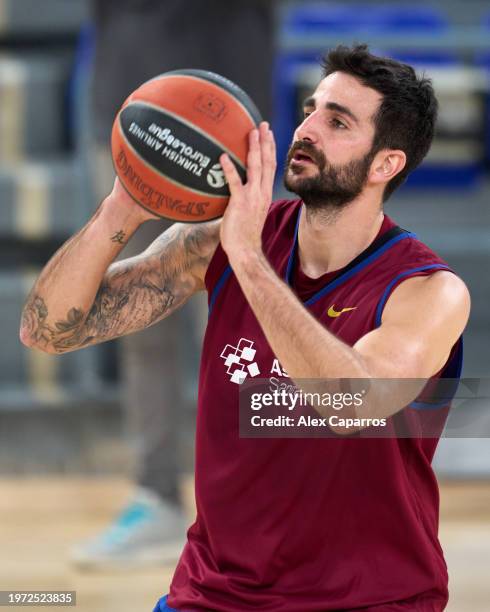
41, 518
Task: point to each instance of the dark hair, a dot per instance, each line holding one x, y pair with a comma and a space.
407, 115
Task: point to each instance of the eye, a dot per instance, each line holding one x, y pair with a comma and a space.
338, 124
306, 113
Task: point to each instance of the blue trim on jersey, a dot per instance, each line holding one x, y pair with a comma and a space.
221, 281
289, 267
456, 363
331, 285
452, 371
362, 264
428, 406
343, 277
386, 294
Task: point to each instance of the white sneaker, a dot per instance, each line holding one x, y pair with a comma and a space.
148, 531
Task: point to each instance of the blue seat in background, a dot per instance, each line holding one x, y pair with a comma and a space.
358, 23
78, 90
318, 18
79, 110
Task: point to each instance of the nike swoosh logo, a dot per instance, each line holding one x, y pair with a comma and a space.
336, 313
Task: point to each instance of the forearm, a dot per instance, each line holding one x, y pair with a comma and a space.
61, 298
316, 360
304, 347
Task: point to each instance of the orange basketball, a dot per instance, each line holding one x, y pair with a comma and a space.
168, 137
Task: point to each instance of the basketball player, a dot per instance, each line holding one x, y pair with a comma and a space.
330, 287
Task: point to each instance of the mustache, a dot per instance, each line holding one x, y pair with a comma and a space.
304, 146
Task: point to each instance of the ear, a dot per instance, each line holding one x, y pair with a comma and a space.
387, 164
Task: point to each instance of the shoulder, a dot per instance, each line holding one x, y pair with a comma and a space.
441, 285
440, 295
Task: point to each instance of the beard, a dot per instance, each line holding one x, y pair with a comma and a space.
334, 186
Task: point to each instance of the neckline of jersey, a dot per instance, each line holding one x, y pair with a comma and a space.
379, 246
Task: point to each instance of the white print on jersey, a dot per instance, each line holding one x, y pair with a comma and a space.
239, 361
234, 357
278, 369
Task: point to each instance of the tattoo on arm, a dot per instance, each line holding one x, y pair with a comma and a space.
118, 237
62, 335
134, 293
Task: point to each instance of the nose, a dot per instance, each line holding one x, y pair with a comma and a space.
306, 130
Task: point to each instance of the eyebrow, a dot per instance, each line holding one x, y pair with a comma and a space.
334, 106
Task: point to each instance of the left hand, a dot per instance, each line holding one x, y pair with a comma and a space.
244, 218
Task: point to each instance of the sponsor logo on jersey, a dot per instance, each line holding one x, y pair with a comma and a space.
239, 361
336, 313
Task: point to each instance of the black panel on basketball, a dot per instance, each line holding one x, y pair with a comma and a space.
175, 149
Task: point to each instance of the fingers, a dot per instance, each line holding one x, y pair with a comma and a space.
232, 177
268, 158
253, 157
261, 161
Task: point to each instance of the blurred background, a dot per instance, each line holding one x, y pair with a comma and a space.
68, 449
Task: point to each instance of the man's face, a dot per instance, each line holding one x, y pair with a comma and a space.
330, 158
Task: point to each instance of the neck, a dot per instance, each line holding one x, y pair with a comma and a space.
329, 240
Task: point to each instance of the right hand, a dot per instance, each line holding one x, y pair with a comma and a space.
121, 198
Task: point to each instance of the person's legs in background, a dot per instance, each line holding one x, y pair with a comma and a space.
151, 528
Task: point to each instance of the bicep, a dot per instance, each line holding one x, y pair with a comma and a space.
422, 320
186, 250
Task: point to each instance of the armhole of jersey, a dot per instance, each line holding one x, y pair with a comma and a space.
454, 364
217, 288
451, 371
216, 275
406, 274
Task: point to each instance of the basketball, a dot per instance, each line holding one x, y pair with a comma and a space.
167, 139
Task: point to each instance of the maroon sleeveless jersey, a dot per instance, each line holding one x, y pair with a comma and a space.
315, 524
